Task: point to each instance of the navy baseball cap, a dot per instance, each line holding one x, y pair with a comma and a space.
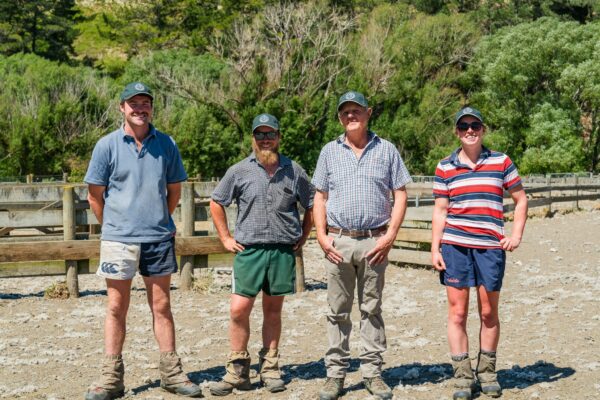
352, 97
265, 120
135, 88
467, 111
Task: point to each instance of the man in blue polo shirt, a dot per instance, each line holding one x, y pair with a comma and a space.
134, 180
356, 176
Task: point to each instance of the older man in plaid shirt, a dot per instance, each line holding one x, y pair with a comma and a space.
356, 176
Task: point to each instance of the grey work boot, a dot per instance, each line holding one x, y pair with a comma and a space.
332, 389
464, 380
237, 376
110, 385
172, 378
268, 367
378, 388
486, 374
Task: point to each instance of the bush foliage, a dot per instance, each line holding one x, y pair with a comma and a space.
531, 67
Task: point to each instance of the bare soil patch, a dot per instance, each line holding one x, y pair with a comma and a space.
550, 312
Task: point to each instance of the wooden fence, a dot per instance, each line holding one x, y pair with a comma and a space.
53, 222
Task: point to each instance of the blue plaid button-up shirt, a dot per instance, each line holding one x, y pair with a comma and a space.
359, 189
267, 206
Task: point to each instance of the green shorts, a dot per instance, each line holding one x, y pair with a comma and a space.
267, 267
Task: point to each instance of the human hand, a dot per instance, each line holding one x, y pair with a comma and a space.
300, 243
378, 254
331, 253
437, 260
510, 243
231, 245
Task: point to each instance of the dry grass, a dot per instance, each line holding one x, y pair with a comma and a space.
202, 283
57, 290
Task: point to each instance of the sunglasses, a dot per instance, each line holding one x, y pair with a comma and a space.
464, 126
270, 135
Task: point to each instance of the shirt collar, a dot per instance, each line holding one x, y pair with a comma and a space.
128, 138
485, 153
371, 136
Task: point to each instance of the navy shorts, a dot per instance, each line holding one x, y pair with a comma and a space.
120, 260
468, 267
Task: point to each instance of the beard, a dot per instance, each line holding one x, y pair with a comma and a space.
266, 156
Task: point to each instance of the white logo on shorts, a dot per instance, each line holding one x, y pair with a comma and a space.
264, 118
350, 96
139, 86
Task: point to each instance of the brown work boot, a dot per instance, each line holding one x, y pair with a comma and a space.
172, 377
332, 389
268, 367
378, 388
464, 380
237, 376
486, 374
110, 385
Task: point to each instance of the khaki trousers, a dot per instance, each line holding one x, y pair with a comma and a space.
355, 271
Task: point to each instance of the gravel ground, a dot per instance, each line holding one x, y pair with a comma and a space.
550, 313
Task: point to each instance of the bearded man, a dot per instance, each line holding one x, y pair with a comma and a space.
266, 187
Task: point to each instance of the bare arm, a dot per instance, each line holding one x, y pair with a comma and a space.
96, 199
384, 244
438, 221
219, 218
520, 198
173, 196
307, 224
320, 219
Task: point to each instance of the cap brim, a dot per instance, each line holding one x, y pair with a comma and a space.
468, 115
349, 101
137, 94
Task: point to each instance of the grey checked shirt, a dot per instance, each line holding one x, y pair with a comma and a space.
359, 190
267, 206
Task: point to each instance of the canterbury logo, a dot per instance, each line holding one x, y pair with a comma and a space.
109, 268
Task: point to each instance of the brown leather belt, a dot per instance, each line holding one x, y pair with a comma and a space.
357, 233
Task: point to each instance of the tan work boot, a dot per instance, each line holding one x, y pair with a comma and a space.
486, 374
237, 376
172, 378
332, 389
464, 380
268, 367
378, 388
110, 385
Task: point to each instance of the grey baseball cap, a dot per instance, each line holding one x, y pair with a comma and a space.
352, 97
467, 111
265, 120
135, 88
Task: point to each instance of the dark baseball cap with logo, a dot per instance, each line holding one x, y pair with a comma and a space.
265, 120
352, 97
463, 112
135, 88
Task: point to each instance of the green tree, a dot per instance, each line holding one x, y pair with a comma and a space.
43, 27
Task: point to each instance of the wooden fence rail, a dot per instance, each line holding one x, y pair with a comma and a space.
62, 213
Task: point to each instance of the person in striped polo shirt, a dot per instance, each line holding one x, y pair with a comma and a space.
468, 244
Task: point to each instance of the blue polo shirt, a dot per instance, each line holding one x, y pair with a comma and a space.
135, 199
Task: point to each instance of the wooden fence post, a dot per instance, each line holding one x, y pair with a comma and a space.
549, 186
29, 178
300, 285
576, 192
187, 219
69, 234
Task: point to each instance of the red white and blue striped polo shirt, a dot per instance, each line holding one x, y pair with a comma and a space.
475, 213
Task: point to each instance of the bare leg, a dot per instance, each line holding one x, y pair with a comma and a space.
458, 310
271, 330
239, 324
159, 299
489, 333
119, 293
